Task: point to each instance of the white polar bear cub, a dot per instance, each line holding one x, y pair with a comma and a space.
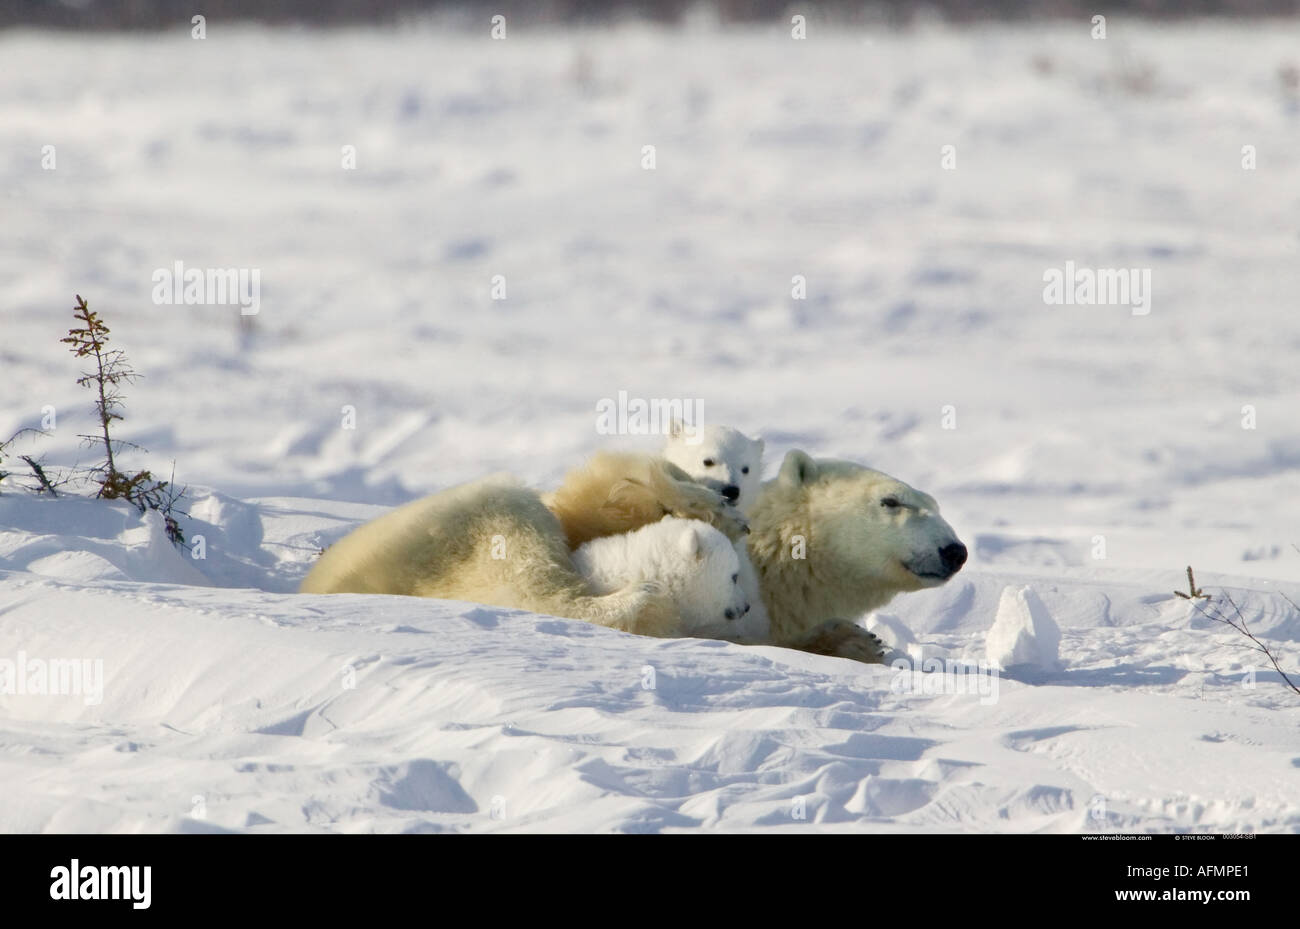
731, 463
695, 564
719, 457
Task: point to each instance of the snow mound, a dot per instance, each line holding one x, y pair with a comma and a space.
1023, 634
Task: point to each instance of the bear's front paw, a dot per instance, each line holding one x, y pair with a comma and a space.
865, 647
729, 521
842, 639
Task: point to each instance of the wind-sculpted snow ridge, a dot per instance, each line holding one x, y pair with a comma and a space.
237, 709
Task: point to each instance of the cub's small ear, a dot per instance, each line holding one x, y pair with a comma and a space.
691, 543
760, 445
797, 469
674, 428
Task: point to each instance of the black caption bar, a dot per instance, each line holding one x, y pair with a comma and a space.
142, 877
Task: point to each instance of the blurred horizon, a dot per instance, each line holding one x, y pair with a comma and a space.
117, 15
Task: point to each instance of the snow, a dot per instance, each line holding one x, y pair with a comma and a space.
897, 637
1095, 453
1023, 634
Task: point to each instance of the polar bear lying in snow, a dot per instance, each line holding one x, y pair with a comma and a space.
830, 540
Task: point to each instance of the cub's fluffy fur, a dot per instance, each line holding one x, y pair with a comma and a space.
691, 561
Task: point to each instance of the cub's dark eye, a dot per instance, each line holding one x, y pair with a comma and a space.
735, 578
890, 503
709, 462
745, 469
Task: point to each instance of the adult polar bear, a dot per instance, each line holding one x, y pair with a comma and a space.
830, 540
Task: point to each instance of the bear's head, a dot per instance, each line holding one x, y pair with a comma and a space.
706, 586
719, 457
833, 539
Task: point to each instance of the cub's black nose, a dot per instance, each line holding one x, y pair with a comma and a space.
731, 492
954, 556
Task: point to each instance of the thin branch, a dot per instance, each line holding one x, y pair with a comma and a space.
1240, 626
40, 474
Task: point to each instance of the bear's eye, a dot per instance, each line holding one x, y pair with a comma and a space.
735, 578
890, 503
745, 469
709, 462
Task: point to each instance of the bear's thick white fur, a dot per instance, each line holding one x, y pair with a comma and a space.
857, 554
695, 565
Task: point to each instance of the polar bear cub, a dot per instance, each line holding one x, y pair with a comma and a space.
732, 463
693, 563
719, 457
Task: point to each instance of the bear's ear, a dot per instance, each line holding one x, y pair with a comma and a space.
759, 444
797, 469
674, 428
692, 545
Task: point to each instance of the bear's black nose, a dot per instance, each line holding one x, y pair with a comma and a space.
954, 556
731, 492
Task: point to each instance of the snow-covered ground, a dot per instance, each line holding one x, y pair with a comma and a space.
1095, 452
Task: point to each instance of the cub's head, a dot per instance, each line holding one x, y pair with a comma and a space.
705, 578
866, 530
719, 457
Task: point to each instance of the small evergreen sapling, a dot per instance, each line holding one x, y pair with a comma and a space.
111, 371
